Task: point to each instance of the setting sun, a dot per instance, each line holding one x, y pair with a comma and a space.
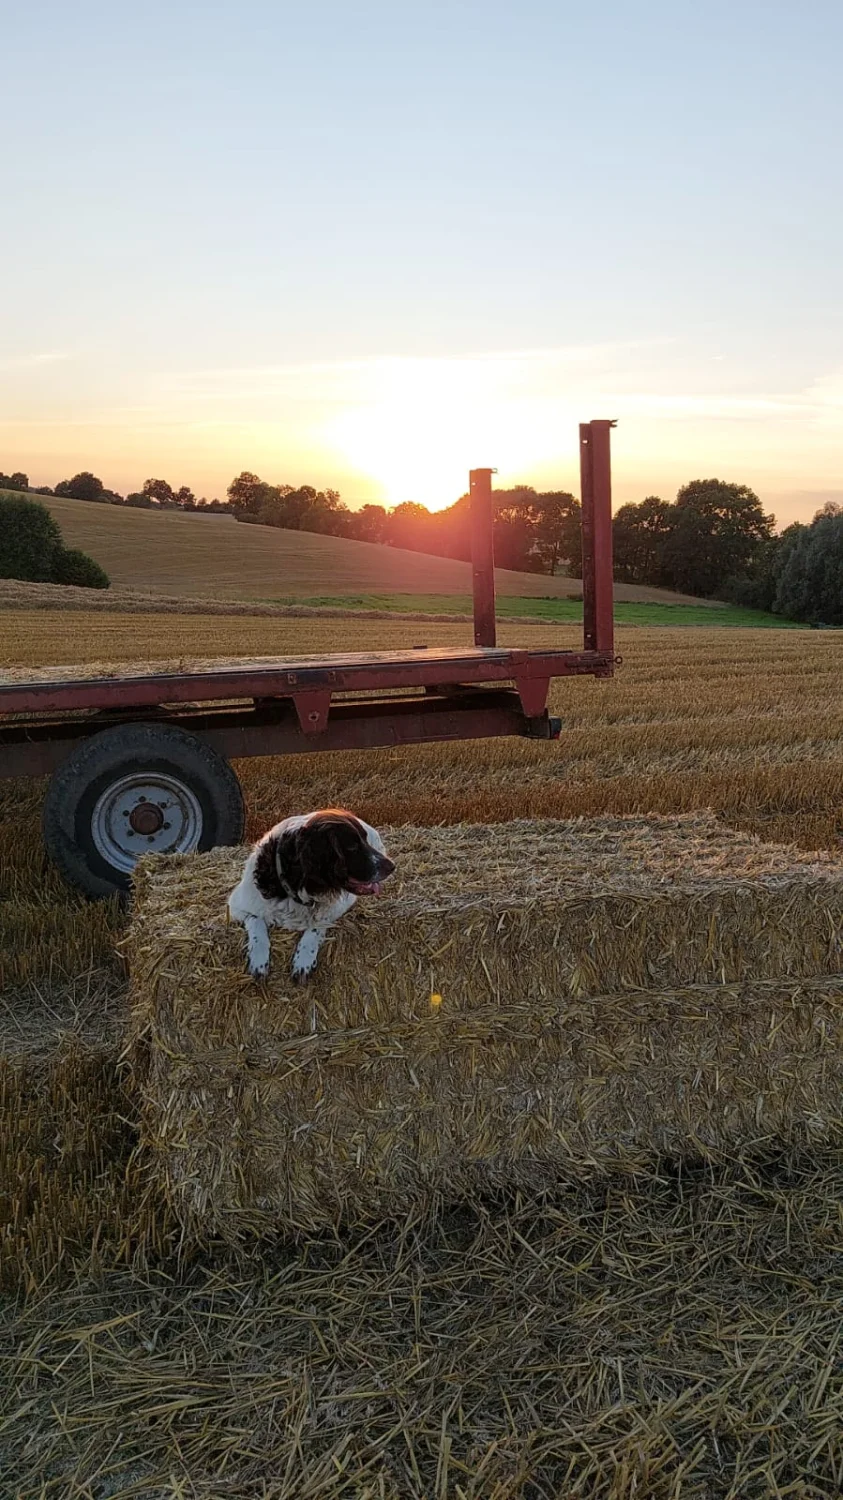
420, 424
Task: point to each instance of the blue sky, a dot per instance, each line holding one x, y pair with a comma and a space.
377, 245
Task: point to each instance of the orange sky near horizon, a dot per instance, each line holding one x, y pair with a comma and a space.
393, 429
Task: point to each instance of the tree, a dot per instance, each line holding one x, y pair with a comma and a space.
84, 486
16, 481
514, 529
639, 537
30, 540
138, 500
757, 587
810, 571
717, 528
185, 498
273, 508
369, 523
558, 532
407, 526
327, 515
31, 548
248, 495
448, 532
159, 491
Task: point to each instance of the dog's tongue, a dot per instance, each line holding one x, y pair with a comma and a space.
367, 887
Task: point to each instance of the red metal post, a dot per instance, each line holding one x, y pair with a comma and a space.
597, 591
482, 556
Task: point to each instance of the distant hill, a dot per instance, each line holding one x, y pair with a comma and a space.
181, 553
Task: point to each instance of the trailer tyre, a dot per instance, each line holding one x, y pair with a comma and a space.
135, 789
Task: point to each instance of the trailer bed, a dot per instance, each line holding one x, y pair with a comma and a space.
70, 688
287, 705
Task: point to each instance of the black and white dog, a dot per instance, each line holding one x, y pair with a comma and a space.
304, 874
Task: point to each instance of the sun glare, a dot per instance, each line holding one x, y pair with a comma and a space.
421, 425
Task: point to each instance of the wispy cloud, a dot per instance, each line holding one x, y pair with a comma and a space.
31, 361
355, 379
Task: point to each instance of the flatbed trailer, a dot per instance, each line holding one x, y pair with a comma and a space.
140, 760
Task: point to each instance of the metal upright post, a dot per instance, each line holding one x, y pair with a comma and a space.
483, 556
597, 579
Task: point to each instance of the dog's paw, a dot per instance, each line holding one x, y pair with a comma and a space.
305, 956
302, 967
258, 951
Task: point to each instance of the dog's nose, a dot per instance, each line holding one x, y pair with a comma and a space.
386, 865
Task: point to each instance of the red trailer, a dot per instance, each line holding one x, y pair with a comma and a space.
141, 761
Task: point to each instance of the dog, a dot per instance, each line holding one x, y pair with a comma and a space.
304, 874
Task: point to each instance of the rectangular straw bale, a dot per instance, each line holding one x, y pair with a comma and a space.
609, 989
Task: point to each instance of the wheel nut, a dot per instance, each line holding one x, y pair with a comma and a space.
167, 825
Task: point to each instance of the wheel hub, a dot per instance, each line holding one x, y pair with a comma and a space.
149, 812
146, 818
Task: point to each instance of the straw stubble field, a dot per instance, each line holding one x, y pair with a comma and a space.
674, 1333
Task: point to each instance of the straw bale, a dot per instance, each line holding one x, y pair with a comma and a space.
529, 1001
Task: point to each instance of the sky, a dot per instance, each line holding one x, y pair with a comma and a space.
375, 245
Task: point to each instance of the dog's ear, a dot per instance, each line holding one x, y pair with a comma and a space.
318, 861
270, 869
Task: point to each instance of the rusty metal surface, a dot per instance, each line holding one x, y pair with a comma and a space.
482, 556
35, 749
597, 569
532, 692
283, 679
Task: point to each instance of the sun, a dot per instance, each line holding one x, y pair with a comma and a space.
422, 424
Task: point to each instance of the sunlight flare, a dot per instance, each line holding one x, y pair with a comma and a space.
422, 424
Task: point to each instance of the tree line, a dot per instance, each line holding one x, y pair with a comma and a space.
714, 540
155, 494
709, 537
533, 532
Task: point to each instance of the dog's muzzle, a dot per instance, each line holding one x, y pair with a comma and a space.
384, 869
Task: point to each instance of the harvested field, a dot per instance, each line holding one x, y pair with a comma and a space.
674, 1335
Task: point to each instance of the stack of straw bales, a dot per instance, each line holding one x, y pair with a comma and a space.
528, 1002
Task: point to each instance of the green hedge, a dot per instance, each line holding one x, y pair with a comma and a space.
73, 566
31, 548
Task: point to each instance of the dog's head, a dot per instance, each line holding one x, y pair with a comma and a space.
331, 853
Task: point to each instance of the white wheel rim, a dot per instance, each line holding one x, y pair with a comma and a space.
146, 813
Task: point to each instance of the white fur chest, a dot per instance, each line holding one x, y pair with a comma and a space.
296, 916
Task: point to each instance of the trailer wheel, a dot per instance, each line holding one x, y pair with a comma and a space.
131, 790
